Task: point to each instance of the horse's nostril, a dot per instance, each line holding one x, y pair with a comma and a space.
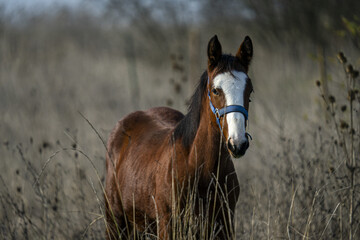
243, 148
237, 150
231, 145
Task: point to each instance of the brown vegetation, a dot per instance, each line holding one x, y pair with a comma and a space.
66, 77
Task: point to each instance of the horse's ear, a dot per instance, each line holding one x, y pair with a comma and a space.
214, 52
245, 52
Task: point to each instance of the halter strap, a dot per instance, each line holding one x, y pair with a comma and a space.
225, 110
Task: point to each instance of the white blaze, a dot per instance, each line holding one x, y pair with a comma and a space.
233, 85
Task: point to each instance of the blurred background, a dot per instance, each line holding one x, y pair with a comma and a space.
69, 70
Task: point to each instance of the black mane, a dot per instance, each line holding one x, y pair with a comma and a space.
188, 126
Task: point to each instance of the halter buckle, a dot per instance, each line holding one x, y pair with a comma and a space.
217, 114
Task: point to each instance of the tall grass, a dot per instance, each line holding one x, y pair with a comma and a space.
298, 180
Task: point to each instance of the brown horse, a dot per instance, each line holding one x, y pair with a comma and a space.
154, 154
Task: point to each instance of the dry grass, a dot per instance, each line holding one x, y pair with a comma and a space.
299, 179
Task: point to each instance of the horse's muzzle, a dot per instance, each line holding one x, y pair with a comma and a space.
237, 150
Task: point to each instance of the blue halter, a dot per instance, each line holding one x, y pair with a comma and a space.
227, 109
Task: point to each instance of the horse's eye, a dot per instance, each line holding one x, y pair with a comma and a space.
214, 91
250, 100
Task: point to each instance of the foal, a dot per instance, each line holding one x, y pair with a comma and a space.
155, 154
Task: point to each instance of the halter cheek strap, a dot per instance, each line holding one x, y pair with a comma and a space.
227, 109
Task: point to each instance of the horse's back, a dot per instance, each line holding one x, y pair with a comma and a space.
143, 126
167, 116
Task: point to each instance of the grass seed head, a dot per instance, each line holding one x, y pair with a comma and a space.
349, 69
343, 124
54, 208
169, 102
355, 74
341, 57
352, 131
45, 144
332, 99
351, 95
177, 88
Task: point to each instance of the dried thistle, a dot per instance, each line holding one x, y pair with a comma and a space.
341, 57
349, 69
351, 95
343, 124
177, 67
343, 108
332, 99
355, 74
352, 131
177, 88
169, 102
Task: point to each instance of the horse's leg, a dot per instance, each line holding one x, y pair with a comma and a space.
164, 226
223, 223
224, 211
233, 192
111, 223
226, 218
117, 227
226, 221
111, 232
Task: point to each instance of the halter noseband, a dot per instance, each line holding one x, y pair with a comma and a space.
225, 110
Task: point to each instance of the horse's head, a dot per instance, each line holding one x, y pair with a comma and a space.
229, 89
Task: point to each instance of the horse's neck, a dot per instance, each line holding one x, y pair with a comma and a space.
204, 153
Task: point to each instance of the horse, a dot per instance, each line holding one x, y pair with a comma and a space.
154, 154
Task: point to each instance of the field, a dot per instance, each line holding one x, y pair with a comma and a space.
66, 78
